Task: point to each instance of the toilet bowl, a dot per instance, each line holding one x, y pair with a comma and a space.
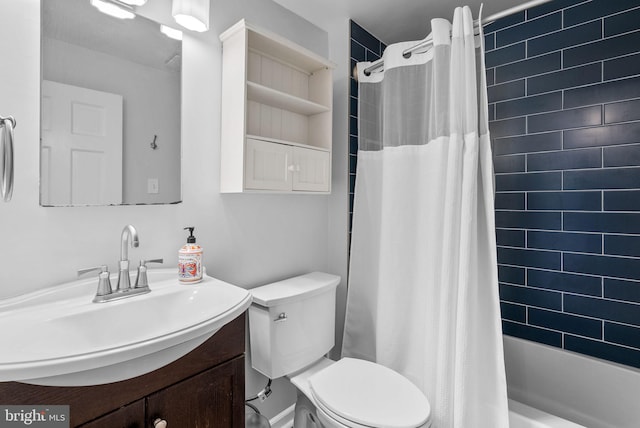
291, 328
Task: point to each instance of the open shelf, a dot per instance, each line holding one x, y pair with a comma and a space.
287, 51
279, 99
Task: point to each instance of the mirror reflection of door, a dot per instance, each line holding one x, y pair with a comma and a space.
85, 48
81, 148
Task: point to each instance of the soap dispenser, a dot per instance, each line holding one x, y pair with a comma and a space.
190, 260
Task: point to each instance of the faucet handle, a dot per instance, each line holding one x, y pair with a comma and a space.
141, 278
104, 283
102, 268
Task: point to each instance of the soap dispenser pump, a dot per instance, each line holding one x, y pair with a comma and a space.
190, 260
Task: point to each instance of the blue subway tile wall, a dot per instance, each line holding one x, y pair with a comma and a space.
564, 91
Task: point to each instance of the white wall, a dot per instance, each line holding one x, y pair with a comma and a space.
248, 239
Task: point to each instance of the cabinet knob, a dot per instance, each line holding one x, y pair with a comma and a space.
160, 423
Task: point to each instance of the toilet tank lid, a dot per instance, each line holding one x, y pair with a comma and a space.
292, 289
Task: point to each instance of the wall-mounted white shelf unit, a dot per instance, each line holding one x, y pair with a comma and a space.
276, 114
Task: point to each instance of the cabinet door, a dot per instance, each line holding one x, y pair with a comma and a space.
129, 416
267, 165
312, 170
214, 398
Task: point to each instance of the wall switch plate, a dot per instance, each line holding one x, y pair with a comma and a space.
152, 185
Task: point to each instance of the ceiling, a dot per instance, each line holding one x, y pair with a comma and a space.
390, 20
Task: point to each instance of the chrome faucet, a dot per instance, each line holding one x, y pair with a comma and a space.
129, 237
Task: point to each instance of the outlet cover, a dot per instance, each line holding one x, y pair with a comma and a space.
152, 185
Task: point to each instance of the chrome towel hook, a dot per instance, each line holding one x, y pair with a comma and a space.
6, 157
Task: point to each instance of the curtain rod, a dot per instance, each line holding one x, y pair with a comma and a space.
429, 40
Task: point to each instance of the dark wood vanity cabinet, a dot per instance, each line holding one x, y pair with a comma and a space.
129, 416
183, 401
205, 388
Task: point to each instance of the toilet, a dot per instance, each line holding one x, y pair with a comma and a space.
291, 329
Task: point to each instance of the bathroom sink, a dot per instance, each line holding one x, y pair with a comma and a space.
59, 337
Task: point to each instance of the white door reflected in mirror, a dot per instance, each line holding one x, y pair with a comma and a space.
81, 147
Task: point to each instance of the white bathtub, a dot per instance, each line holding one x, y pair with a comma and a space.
523, 416
588, 391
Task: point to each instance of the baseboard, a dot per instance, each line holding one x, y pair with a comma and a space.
284, 419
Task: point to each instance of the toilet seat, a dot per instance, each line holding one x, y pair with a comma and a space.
362, 394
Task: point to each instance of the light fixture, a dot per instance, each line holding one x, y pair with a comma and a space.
112, 8
134, 2
171, 32
191, 14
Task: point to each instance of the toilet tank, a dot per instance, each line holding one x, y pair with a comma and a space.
292, 323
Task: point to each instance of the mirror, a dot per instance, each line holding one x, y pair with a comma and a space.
110, 109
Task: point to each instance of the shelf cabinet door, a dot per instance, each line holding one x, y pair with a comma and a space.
214, 398
312, 170
267, 166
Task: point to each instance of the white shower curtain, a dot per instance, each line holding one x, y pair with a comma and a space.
423, 287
